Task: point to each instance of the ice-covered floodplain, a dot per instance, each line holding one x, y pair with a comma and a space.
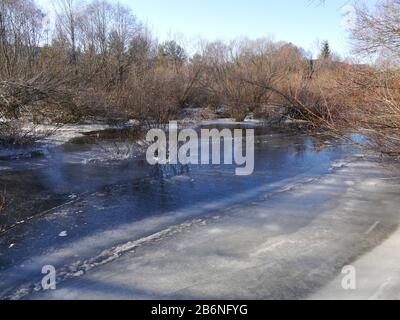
202, 233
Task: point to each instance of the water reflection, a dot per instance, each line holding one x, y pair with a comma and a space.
101, 195
68, 171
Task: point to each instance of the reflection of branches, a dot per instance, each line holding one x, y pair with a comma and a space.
122, 151
168, 170
2, 207
124, 143
2, 201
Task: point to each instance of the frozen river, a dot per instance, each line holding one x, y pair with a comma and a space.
119, 228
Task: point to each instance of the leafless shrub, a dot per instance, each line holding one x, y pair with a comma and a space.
374, 91
34, 101
374, 106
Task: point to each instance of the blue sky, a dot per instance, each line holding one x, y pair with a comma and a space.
299, 21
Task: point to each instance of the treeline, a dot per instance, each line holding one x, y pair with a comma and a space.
99, 61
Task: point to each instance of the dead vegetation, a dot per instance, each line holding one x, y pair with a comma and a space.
99, 62
373, 91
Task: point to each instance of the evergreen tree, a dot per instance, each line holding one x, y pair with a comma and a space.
172, 51
325, 50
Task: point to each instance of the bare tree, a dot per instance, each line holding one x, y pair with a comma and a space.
68, 19
20, 35
377, 30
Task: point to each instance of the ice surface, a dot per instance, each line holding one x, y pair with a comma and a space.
377, 274
121, 229
67, 132
285, 248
